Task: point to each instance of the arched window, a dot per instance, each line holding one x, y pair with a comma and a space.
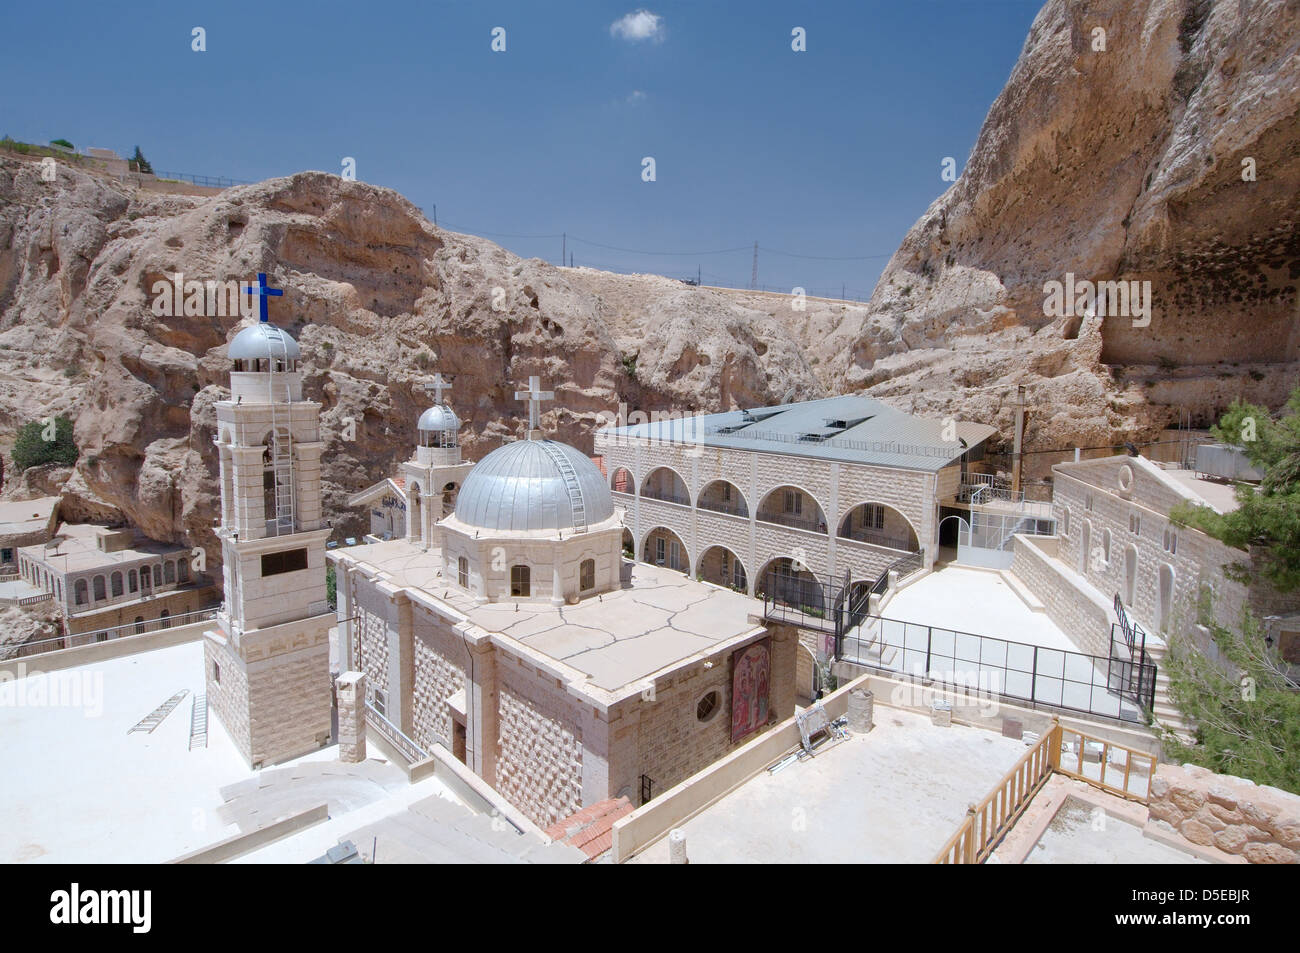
1130, 574
115, 582
144, 579
183, 569
101, 592
1105, 546
132, 583
163, 618
157, 576
462, 572
587, 574
169, 571
520, 581
1065, 521
139, 624
79, 592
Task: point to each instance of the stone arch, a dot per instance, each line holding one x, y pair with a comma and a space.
723, 496
662, 555
794, 586
776, 508
721, 566
880, 525
629, 544
665, 483
622, 480
449, 491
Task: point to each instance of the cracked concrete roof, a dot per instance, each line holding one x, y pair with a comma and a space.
657, 619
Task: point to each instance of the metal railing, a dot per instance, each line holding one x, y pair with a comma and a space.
811, 524
213, 181
1019, 672
75, 639
666, 497
406, 747
731, 509
905, 545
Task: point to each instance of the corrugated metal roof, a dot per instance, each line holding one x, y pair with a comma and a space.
879, 435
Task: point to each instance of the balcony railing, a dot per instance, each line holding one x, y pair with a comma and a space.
665, 497
720, 506
794, 520
872, 538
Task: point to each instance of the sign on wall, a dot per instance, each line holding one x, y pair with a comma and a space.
751, 680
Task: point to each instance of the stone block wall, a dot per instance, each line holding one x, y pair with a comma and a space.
370, 642
1261, 824
439, 673
351, 689
289, 701
228, 698
1073, 605
539, 755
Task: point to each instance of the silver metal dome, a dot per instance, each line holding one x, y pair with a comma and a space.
262, 341
439, 417
534, 485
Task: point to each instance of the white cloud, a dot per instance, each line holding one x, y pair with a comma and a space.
636, 96
641, 25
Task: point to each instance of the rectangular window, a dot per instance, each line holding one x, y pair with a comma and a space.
462, 572
793, 502
875, 516
381, 702
1135, 523
587, 574
660, 548
675, 554
216, 673
291, 560
520, 581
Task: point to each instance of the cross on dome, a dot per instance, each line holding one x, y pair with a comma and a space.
534, 395
262, 291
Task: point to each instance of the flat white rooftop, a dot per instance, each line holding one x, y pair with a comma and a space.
658, 618
81, 789
893, 795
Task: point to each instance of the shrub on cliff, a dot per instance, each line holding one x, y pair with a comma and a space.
41, 442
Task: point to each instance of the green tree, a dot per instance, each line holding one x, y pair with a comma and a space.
140, 163
1267, 518
331, 587
1248, 725
63, 142
45, 441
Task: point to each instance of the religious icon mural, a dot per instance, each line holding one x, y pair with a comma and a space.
751, 677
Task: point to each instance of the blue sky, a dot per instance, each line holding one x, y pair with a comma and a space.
830, 153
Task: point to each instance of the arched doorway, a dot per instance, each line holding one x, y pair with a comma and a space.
791, 583
665, 548
720, 566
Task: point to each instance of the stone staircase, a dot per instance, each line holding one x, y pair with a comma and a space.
1162, 708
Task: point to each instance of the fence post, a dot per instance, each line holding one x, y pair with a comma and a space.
969, 846
1054, 745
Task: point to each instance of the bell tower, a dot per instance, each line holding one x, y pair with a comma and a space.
267, 661
435, 473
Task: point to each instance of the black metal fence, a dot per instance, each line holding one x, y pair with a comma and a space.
1033, 675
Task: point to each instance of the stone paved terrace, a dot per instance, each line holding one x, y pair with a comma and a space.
616, 639
894, 795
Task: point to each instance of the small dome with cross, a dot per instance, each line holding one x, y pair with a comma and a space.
439, 418
264, 342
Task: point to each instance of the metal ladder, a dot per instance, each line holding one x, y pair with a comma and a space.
281, 449
199, 722
155, 718
571, 484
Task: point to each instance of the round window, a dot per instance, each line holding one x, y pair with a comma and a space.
707, 706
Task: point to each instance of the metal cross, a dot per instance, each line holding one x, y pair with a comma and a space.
263, 291
534, 395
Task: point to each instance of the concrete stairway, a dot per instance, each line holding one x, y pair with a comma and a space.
1162, 708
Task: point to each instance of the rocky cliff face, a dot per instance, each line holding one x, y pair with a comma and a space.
1122, 163
1117, 164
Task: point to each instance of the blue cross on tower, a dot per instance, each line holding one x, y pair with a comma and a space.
262, 291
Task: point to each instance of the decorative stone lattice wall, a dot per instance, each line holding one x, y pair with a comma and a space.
370, 634
437, 678
539, 760
1261, 824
